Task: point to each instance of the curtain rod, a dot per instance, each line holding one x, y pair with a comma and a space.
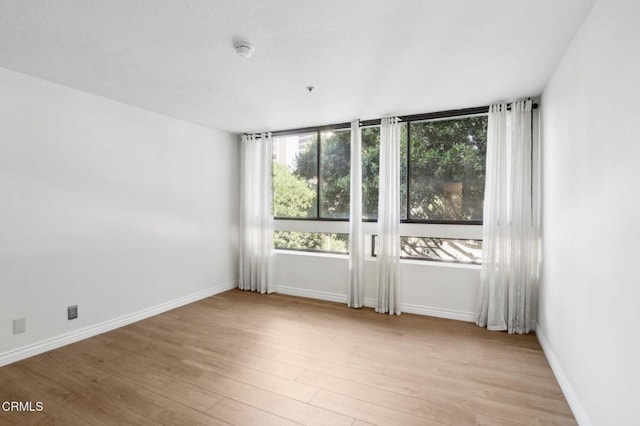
404, 118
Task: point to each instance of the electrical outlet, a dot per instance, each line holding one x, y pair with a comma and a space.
72, 312
19, 325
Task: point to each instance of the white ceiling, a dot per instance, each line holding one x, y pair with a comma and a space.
366, 58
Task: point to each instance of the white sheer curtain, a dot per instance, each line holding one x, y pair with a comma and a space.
388, 243
510, 235
356, 238
256, 217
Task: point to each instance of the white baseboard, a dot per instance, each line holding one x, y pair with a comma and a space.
93, 330
563, 381
371, 303
438, 312
312, 294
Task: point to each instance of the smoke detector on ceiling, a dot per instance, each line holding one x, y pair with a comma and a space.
244, 50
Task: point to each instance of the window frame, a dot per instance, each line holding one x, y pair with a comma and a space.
434, 116
318, 132
408, 195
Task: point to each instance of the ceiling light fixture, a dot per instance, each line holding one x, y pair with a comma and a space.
244, 50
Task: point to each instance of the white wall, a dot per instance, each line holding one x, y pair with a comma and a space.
428, 288
589, 313
106, 206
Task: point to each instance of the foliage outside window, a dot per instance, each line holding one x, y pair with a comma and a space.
311, 241
335, 173
447, 169
442, 175
297, 178
370, 171
294, 193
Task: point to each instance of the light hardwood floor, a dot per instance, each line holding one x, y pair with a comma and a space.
244, 358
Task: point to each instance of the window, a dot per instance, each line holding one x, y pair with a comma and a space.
446, 161
335, 172
304, 187
371, 171
442, 168
311, 241
438, 249
295, 176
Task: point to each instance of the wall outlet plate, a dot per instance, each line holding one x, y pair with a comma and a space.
72, 312
19, 325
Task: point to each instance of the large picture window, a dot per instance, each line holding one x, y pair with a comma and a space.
335, 167
446, 161
304, 187
370, 171
442, 170
295, 176
442, 175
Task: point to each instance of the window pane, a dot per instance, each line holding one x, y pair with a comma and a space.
403, 171
447, 169
443, 249
439, 249
335, 155
295, 175
311, 241
370, 171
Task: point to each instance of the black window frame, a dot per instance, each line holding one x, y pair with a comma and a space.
408, 156
449, 114
318, 132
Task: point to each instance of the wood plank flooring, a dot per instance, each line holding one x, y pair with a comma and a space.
246, 359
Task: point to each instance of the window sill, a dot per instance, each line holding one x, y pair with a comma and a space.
311, 253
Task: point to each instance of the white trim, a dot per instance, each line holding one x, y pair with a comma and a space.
18, 354
371, 303
312, 294
563, 381
439, 312
294, 252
